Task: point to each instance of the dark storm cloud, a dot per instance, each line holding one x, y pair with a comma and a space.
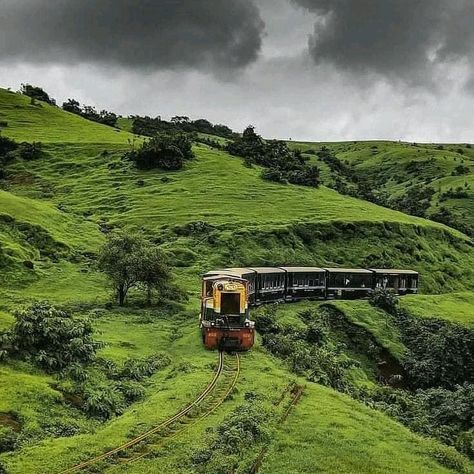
155, 34
402, 39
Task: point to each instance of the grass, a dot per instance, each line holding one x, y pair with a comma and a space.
375, 321
56, 210
48, 124
329, 432
454, 307
396, 166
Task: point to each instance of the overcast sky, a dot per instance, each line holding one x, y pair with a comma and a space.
300, 69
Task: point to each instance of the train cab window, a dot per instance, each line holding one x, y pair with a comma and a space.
230, 303
209, 288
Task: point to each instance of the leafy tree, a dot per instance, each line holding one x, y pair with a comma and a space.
37, 93
50, 337
90, 113
129, 260
165, 151
72, 106
282, 164
155, 272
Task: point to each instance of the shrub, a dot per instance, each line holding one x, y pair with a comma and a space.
6, 146
165, 151
138, 369
282, 164
50, 337
29, 151
8, 439
460, 170
103, 402
385, 299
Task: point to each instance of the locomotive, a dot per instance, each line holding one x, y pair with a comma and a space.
228, 294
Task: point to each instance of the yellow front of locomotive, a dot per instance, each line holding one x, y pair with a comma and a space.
225, 319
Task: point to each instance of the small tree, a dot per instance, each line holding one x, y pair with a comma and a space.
129, 260
154, 272
37, 93
165, 151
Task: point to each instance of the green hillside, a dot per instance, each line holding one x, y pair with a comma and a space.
55, 213
391, 169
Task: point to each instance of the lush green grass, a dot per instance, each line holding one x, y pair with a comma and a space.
329, 432
48, 124
375, 321
455, 307
62, 227
82, 184
214, 188
396, 166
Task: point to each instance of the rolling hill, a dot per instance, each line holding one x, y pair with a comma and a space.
391, 170
55, 212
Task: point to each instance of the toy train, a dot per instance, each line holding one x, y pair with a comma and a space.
228, 294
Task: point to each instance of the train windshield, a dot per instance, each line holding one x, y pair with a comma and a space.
230, 303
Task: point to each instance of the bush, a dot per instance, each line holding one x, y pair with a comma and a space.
165, 151
282, 164
460, 170
385, 299
29, 151
6, 146
8, 439
50, 337
138, 369
104, 402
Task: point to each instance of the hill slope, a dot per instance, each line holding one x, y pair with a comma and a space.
391, 170
216, 212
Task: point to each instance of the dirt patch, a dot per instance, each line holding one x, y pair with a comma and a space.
10, 421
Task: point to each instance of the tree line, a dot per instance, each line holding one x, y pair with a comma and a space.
281, 164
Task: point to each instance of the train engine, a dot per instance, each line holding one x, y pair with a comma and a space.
224, 318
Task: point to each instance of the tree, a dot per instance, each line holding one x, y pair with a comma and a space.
154, 272
37, 93
165, 151
72, 106
129, 260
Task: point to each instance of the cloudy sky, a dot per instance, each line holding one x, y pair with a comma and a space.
300, 69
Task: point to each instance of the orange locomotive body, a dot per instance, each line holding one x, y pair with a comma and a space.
224, 318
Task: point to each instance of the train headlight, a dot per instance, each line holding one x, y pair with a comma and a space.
213, 324
247, 324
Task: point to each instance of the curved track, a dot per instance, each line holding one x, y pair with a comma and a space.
220, 387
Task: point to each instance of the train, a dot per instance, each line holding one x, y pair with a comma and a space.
229, 293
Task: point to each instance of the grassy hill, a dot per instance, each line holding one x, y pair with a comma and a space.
391, 169
55, 212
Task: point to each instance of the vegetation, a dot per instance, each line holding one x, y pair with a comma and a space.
130, 261
56, 212
282, 165
90, 113
36, 93
164, 151
386, 172
50, 337
178, 124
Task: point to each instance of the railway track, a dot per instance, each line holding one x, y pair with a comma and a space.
220, 387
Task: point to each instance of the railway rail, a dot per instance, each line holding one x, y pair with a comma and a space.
217, 391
